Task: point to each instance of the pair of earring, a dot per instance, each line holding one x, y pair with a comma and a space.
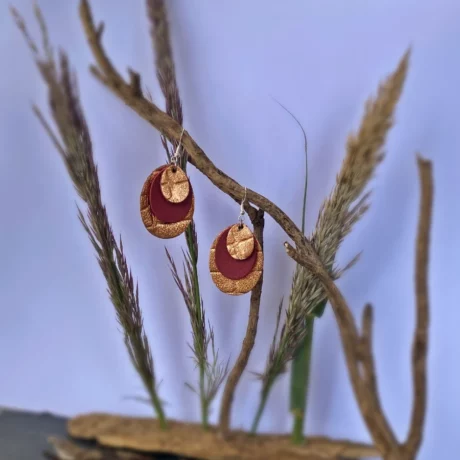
167, 205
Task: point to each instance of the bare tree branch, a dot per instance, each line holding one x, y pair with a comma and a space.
364, 385
108, 75
420, 342
369, 377
368, 402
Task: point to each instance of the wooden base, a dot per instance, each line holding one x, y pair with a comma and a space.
68, 450
190, 440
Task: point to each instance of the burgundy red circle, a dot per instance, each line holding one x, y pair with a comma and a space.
164, 210
231, 268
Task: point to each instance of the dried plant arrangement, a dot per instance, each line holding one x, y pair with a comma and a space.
236, 261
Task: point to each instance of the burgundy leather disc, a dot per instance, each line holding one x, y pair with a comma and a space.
162, 209
229, 267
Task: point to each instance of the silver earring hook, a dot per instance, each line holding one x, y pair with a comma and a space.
176, 157
242, 211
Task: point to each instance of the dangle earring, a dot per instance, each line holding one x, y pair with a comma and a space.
167, 201
236, 259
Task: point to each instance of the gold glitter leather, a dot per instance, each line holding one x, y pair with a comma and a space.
175, 186
240, 242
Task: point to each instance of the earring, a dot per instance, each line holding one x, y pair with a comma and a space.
167, 201
236, 258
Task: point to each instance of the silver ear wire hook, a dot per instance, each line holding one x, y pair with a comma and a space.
242, 211
176, 157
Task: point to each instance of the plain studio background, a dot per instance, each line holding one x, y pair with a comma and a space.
60, 347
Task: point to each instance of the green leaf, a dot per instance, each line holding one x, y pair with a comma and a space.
319, 309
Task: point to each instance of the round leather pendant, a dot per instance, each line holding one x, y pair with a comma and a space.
231, 268
240, 241
164, 210
224, 283
174, 184
152, 223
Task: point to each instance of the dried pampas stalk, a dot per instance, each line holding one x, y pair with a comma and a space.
76, 151
364, 152
340, 211
164, 64
336, 220
212, 372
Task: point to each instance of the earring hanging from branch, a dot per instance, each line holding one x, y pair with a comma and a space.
236, 257
167, 201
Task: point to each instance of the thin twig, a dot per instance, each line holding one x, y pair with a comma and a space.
420, 342
248, 342
135, 83
366, 354
369, 379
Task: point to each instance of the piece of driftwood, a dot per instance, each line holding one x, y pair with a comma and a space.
67, 450
188, 439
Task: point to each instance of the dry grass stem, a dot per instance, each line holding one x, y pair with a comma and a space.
348, 202
339, 212
75, 148
214, 371
211, 373
168, 84
164, 63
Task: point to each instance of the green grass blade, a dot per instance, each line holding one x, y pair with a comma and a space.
304, 205
300, 370
300, 379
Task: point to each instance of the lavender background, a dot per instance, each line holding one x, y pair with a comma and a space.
60, 348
